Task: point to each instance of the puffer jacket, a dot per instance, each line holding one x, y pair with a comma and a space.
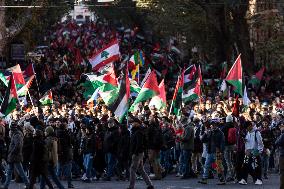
15, 154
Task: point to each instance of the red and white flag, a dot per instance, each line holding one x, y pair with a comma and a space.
107, 55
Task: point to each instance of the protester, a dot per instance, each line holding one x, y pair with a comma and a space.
84, 139
15, 155
280, 143
252, 160
39, 160
137, 148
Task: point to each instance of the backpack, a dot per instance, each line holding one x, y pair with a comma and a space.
232, 135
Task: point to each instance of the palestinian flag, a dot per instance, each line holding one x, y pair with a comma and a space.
149, 89
189, 88
10, 100
47, 98
106, 82
120, 106
17, 74
134, 87
3, 79
235, 76
107, 55
160, 100
256, 79
177, 98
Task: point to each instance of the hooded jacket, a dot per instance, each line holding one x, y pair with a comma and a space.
15, 154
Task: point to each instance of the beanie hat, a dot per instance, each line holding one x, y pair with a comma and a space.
229, 119
49, 130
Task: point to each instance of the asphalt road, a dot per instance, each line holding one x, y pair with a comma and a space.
170, 182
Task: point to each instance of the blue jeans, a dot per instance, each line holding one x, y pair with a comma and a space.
88, 164
165, 159
52, 173
19, 169
66, 170
185, 162
111, 162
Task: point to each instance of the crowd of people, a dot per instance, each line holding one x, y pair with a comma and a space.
214, 137
68, 142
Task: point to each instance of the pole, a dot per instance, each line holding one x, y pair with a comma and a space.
31, 99
138, 74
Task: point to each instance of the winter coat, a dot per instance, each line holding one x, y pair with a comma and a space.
137, 141
155, 137
27, 147
187, 138
168, 138
65, 150
215, 140
52, 150
88, 144
39, 157
267, 138
123, 144
111, 140
15, 154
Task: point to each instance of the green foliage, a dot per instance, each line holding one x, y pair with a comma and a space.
36, 20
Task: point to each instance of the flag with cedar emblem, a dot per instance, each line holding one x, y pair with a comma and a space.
107, 55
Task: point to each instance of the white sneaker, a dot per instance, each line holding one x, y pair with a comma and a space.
84, 177
258, 182
152, 175
243, 182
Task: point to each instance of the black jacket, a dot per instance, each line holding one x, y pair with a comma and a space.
88, 144
27, 148
39, 157
123, 144
215, 139
155, 137
65, 151
111, 140
137, 141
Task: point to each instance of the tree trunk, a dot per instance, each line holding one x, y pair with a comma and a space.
3, 39
242, 37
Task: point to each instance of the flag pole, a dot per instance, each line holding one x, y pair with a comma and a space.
31, 99
138, 74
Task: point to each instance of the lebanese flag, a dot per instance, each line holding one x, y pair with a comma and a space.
17, 74
160, 100
149, 90
235, 76
107, 55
